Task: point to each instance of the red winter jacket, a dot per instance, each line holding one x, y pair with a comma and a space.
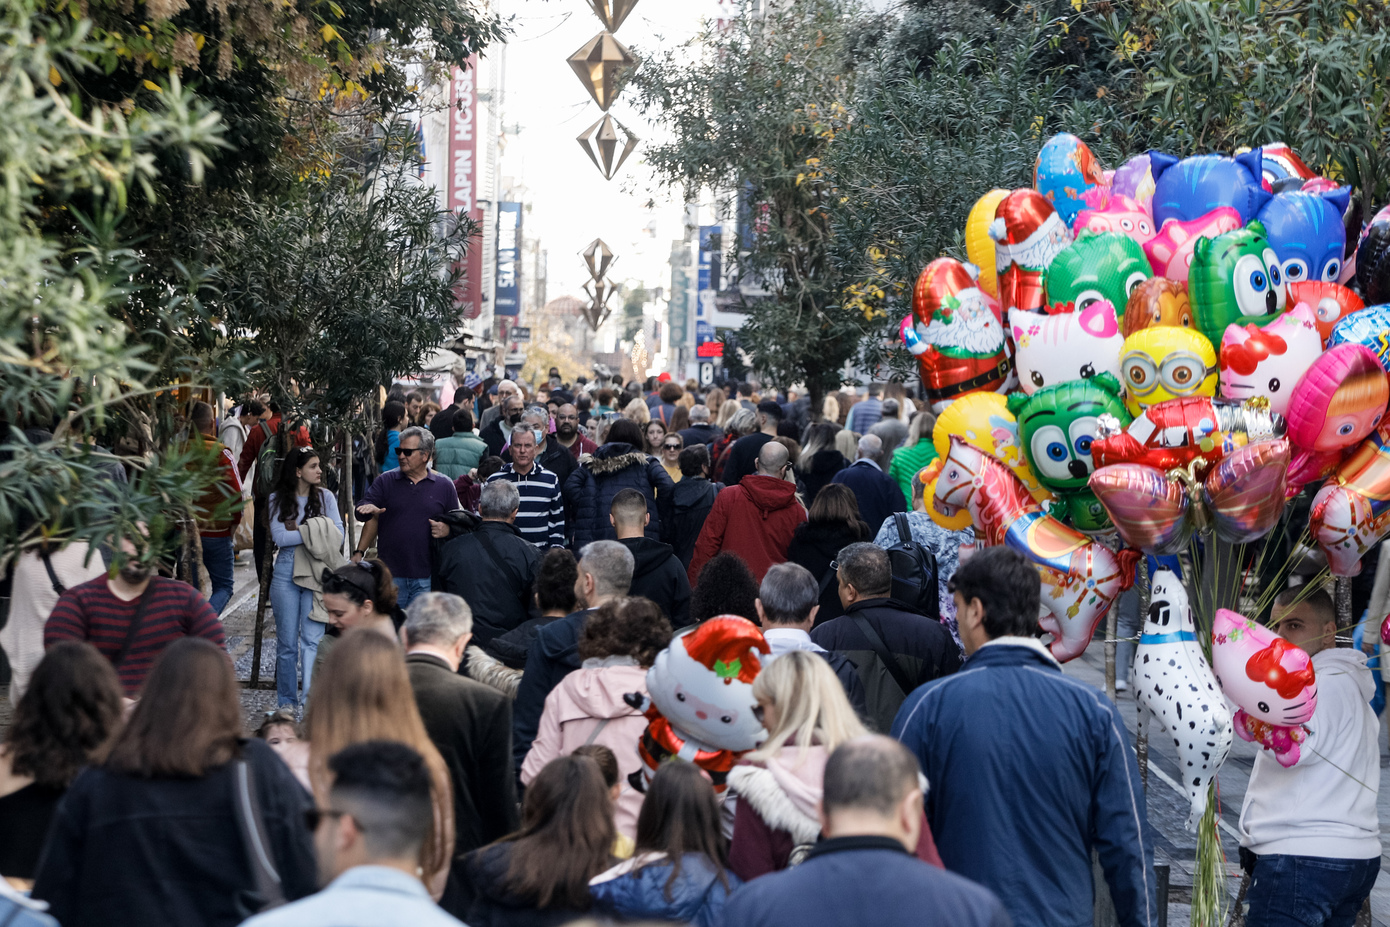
755, 519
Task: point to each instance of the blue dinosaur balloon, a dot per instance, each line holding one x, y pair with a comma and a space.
1191, 188
1306, 232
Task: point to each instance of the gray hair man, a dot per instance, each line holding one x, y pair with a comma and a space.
469, 723
493, 567
880, 497
605, 574
541, 519
787, 604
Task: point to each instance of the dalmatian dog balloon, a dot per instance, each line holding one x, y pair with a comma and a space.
1174, 682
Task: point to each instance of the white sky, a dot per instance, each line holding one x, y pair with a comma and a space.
571, 202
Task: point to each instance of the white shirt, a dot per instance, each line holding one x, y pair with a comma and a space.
785, 640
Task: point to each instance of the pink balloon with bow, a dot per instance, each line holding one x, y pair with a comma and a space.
1268, 678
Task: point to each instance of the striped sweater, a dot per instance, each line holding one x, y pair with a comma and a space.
541, 517
91, 612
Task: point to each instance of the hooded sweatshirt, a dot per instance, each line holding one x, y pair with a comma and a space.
659, 575
587, 707
1325, 804
755, 520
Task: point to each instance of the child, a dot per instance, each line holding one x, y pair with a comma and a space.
282, 734
607, 762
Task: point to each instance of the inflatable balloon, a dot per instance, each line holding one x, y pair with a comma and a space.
1271, 680
1170, 252
1240, 497
1373, 259
1028, 234
701, 706
1235, 279
1080, 578
1280, 166
1334, 406
1052, 349
1097, 266
1134, 180
1057, 425
1157, 301
1174, 682
1187, 189
956, 334
1175, 433
1269, 361
1305, 230
1283, 742
1351, 513
1162, 363
1122, 216
979, 247
1367, 327
1330, 303
1065, 172
984, 421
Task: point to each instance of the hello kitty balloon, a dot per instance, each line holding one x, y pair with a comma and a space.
1269, 361
1270, 679
1059, 348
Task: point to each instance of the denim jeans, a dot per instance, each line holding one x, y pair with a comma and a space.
219, 560
294, 632
1128, 623
1309, 891
408, 589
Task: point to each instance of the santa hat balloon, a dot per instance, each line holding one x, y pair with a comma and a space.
1028, 234
701, 705
955, 333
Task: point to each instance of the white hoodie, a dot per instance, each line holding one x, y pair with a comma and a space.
1325, 804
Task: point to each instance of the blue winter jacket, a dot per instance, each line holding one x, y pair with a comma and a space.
696, 898
1030, 770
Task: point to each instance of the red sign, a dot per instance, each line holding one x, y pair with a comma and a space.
462, 172
710, 349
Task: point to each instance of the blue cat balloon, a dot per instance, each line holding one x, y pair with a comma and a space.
1306, 232
1191, 188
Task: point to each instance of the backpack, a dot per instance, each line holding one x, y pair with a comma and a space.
267, 464
914, 572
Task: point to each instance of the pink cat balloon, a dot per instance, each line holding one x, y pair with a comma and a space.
1122, 215
1269, 361
1080, 578
1269, 679
1170, 251
1066, 346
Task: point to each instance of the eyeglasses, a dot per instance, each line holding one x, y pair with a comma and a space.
313, 817
671, 447
406, 451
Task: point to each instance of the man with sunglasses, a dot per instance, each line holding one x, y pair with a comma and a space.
403, 505
368, 843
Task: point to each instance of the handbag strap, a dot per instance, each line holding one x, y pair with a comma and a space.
890, 662
598, 729
253, 833
825, 582
58, 586
138, 619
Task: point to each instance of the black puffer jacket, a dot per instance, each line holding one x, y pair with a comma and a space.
602, 475
690, 505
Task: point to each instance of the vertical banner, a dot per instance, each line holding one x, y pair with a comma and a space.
463, 182
707, 279
507, 298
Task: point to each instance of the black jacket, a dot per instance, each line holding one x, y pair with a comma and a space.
923, 648
602, 475
701, 433
553, 655
819, 471
492, 434
497, 588
691, 501
814, 546
130, 851
471, 726
660, 576
494, 906
555, 457
510, 649
743, 457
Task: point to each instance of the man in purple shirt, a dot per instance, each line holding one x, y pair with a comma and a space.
403, 505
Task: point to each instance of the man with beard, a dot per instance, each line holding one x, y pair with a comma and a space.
567, 432
131, 617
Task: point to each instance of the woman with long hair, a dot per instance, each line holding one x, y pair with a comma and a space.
636, 411
820, 459
363, 595
151, 835
779, 785
364, 694
298, 496
539, 876
389, 437
680, 419
680, 869
726, 410
916, 453
66, 716
653, 433
619, 463
618, 645
831, 524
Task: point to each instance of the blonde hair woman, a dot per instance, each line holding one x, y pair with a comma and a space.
364, 693
727, 410
807, 715
637, 411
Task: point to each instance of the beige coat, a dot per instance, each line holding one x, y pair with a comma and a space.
321, 550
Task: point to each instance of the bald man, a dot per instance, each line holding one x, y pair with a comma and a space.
879, 494
755, 519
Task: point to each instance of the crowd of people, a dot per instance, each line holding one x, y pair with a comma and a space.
456, 729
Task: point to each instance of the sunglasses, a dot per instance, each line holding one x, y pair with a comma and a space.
671, 447
406, 451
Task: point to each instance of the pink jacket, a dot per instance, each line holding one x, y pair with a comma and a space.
573, 712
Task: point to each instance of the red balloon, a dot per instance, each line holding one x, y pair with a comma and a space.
1028, 234
1175, 432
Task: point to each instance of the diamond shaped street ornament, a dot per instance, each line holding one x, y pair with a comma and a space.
598, 257
601, 143
612, 13
599, 64
600, 291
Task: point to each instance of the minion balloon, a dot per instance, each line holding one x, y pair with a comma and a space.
1166, 362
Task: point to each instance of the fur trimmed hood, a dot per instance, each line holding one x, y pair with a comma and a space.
484, 668
784, 797
611, 458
